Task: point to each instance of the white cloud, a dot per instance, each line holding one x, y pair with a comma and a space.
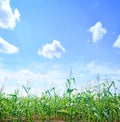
117, 42
6, 47
36, 80
52, 50
92, 69
98, 32
7, 17
55, 77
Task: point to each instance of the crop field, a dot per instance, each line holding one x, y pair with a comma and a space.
99, 104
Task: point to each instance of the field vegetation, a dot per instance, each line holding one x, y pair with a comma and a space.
99, 104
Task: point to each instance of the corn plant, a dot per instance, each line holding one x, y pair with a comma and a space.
98, 104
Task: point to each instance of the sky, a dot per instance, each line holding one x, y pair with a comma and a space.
43, 41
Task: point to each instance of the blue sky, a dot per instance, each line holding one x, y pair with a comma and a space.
41, 40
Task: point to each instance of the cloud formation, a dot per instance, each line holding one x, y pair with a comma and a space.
12, 80
56, 77
117, 42
98, 32
7, 48
8, 18
52, 50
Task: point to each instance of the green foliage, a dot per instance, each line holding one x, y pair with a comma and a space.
95, 105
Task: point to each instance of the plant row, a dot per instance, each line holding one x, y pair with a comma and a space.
98, 104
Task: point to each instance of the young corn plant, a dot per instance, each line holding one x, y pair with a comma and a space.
15, 111
100, 104
27, 104
69, 92
2, 97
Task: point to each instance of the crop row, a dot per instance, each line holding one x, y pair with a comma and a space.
99, 104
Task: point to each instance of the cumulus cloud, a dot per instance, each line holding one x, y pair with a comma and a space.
98, 32
8, 18
117, 42
52, 50
7, 48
